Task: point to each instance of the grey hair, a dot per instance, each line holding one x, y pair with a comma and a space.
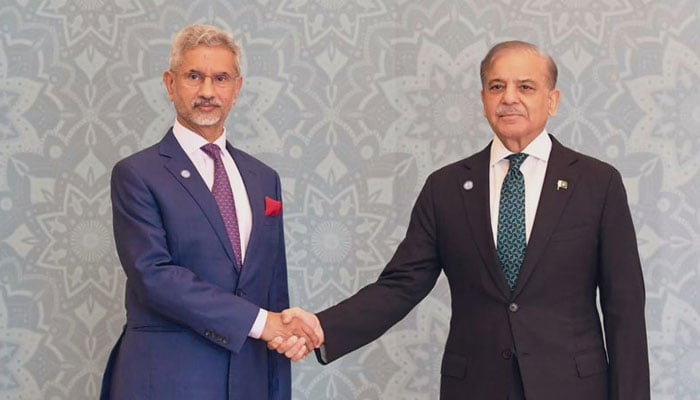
552, 70
203, 35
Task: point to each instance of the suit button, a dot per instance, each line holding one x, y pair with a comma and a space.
240, 292
507, 354
513, 307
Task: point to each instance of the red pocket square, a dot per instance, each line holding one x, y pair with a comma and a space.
273, 208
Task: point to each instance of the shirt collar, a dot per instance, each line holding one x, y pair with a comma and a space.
191, 141
538, 148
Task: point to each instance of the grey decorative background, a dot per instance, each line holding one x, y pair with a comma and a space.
354, 102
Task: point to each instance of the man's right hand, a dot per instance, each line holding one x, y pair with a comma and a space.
290, 335
290, 346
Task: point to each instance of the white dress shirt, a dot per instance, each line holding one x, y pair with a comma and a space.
192, 143
533, 170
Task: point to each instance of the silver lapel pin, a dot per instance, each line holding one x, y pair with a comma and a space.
468, 185
562, 184
185, 173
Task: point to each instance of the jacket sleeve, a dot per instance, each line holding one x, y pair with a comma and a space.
622, 299
170, 290
407, 279
280, 375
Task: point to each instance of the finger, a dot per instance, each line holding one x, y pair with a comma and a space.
288, 344
312, 324
308, 332
287, 317
289, 314
291, 352
308, 343
319, 333
301, 355
274, 343
321, 336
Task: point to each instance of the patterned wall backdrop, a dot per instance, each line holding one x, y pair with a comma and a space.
354, 102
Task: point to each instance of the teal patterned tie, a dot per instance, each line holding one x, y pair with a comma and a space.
511, 221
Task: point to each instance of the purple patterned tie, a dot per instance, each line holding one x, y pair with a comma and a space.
221, 189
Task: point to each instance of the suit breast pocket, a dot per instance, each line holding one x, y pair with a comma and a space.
271, 221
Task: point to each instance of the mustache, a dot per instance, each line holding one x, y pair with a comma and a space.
509, 110
206, 102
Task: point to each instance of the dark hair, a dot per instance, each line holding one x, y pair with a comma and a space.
519, 45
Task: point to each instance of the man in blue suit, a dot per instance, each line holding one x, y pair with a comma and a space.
199, 233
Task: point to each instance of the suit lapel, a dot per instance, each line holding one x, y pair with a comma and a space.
182, 169
476, 204
551, 205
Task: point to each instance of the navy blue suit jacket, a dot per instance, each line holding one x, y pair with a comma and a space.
189, 310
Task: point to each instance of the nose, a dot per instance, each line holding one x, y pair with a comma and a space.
206, 89
510, 95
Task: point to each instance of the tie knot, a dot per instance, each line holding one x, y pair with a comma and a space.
516, 160
212, 150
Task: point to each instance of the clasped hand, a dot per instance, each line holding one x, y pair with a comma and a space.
293, 332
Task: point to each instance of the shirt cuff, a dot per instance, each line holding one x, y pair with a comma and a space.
322, 354
259, 325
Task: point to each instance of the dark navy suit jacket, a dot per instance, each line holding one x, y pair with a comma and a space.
189, 310
582, 242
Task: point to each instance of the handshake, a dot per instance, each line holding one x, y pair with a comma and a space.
294, 332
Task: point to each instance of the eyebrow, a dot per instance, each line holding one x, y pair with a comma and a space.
215, 73
519, 81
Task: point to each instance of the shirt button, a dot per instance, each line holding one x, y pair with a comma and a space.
513, 307
507, 354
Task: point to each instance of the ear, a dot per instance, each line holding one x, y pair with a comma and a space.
169, 81
554, 97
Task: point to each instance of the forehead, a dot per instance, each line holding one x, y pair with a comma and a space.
205, 58
517, 64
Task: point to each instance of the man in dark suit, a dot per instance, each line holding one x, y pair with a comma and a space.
527, 232
198, 228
